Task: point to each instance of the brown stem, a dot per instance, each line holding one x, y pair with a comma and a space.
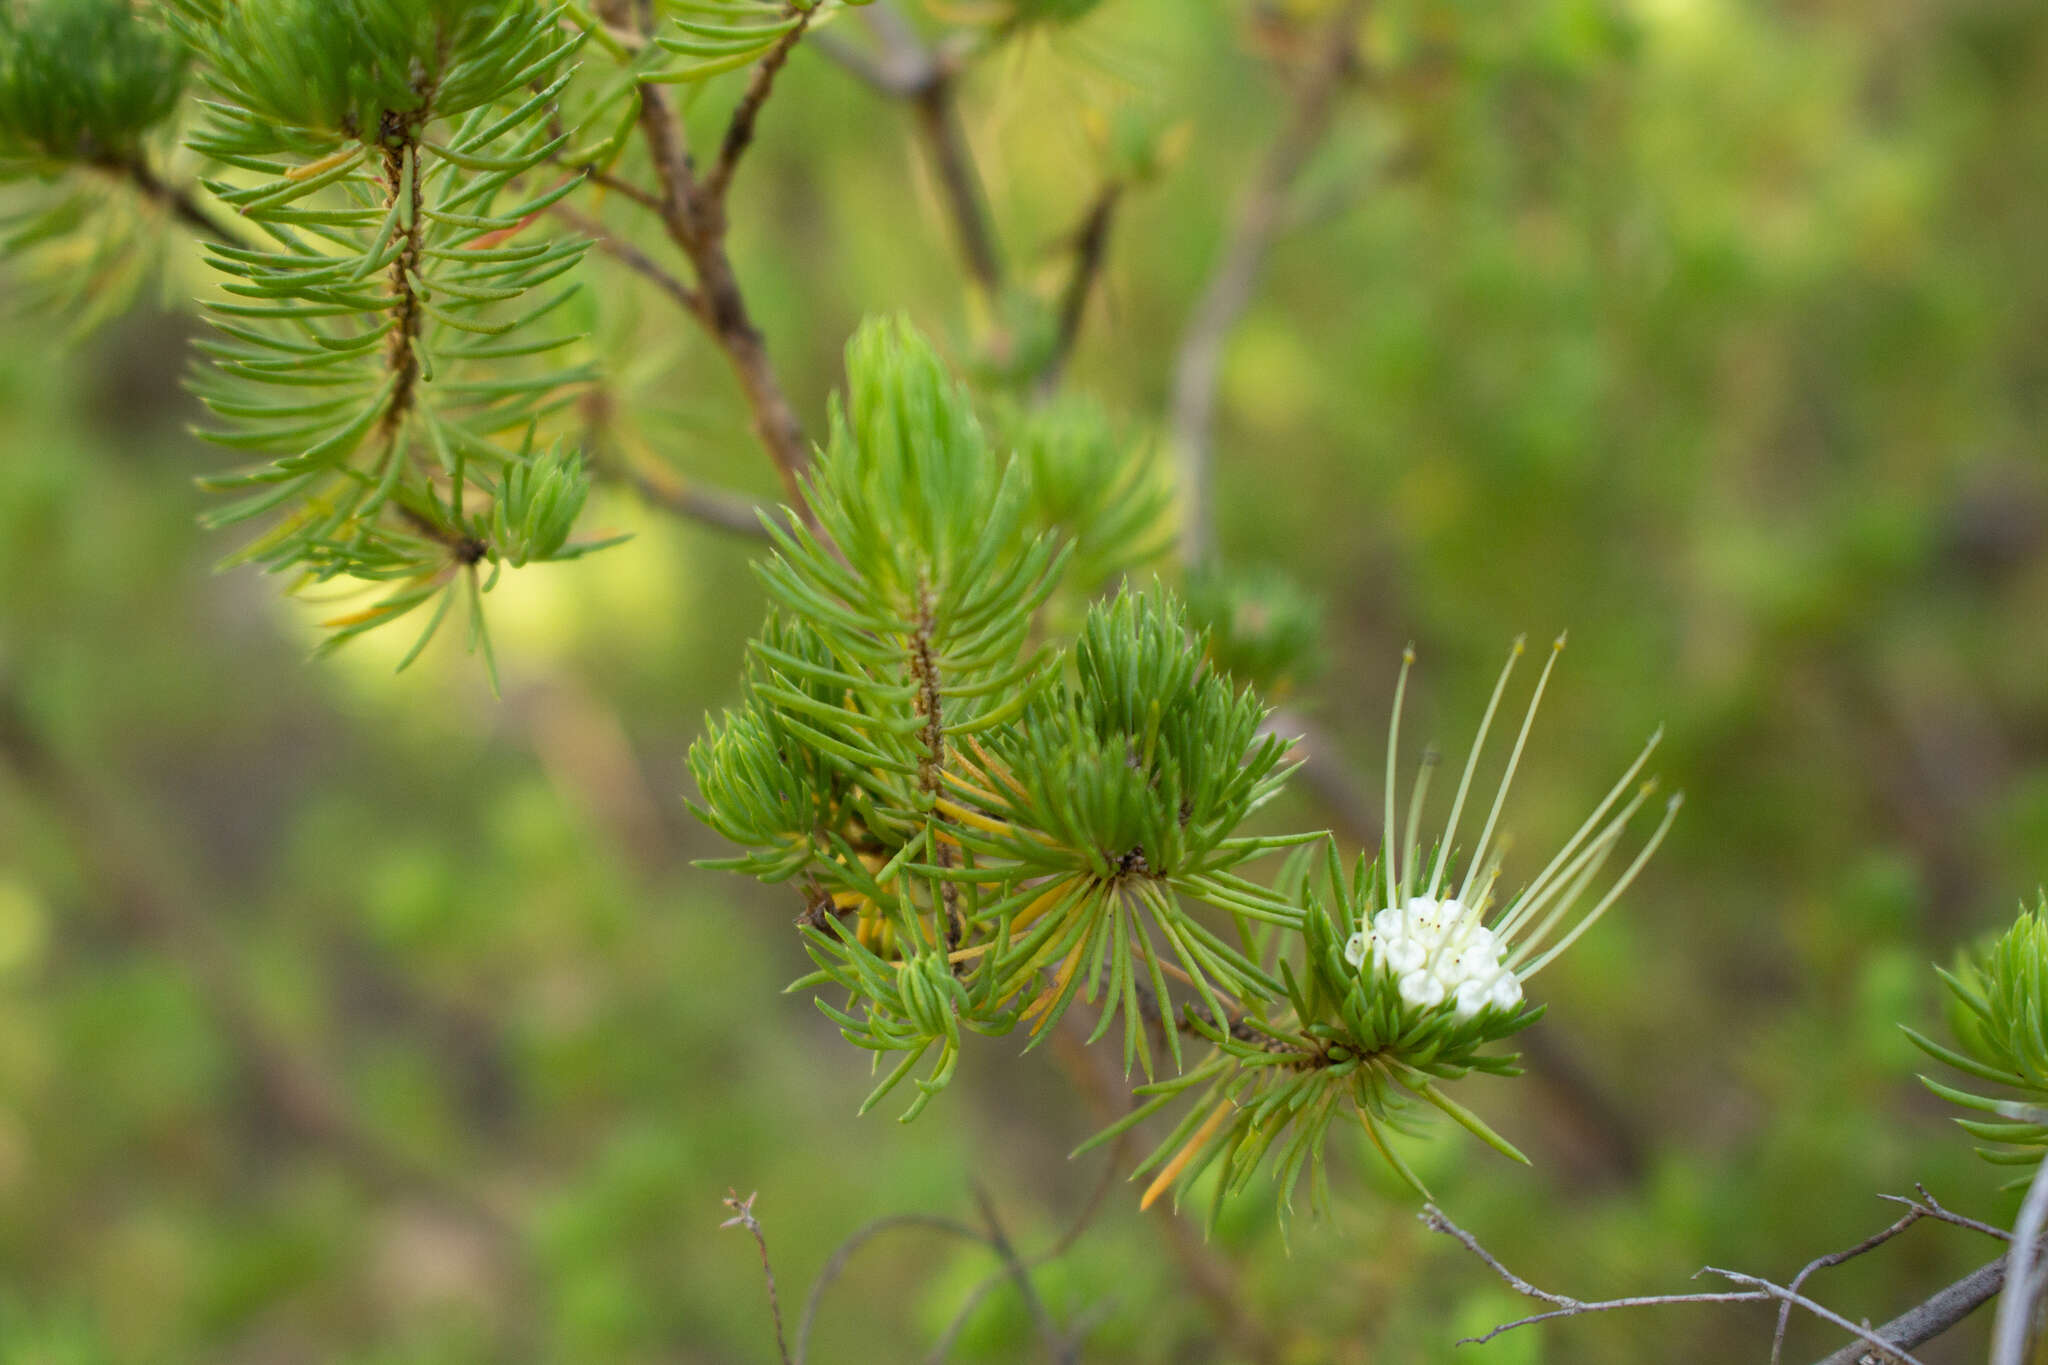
656, 484
177, 201
743, 1217
628, 255
604, 179
720, 510
696, 223
739, 133
1091, 251
931, 763
1199, 363
938, 125
909, 70
924, 671
401, 355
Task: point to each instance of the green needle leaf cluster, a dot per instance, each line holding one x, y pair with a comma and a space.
383, 352
948, 791
1339, 1046
89, 89
706, 38
83, 80
1999, 1014
1262, 626
988, 831
1106, 492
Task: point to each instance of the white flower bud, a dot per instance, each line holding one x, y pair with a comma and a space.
1423, 989
1437, 951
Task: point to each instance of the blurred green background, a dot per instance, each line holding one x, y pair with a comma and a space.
351, 1017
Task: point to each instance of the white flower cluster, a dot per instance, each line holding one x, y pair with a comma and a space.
1438, 951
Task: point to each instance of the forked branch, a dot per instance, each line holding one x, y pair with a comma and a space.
1891, 1343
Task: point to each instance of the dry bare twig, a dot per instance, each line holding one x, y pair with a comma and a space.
1930, 1318
1835, 1258
743, 1217
1945, 1307
1930, 1208
1755, 1290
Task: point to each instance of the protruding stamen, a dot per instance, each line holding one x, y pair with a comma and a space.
1390, 873
1532, 903
1544, 878
1500, 685
1410, 849
1570, 888
1487, 877
1508, 778
1593, 915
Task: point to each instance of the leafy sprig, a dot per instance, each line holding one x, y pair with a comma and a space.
1999, 1014
1340, 1047
942, 785
83, 81
384, 354
989, 832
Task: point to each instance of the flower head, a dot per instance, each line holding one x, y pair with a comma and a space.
1444, 943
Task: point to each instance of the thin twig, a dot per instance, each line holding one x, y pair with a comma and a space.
606, 180
1058, 1349
1930, 1208
1090, 1207
1563, 1306
619, 455
937, 117
178, 202
696, 224
1199, 362
2012, 1328
835, 1264
1931, 1317
722, 511
1091, 250
1765, 1287
628, 255
908, 69
743, 1217
739, 133
1876, 1239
